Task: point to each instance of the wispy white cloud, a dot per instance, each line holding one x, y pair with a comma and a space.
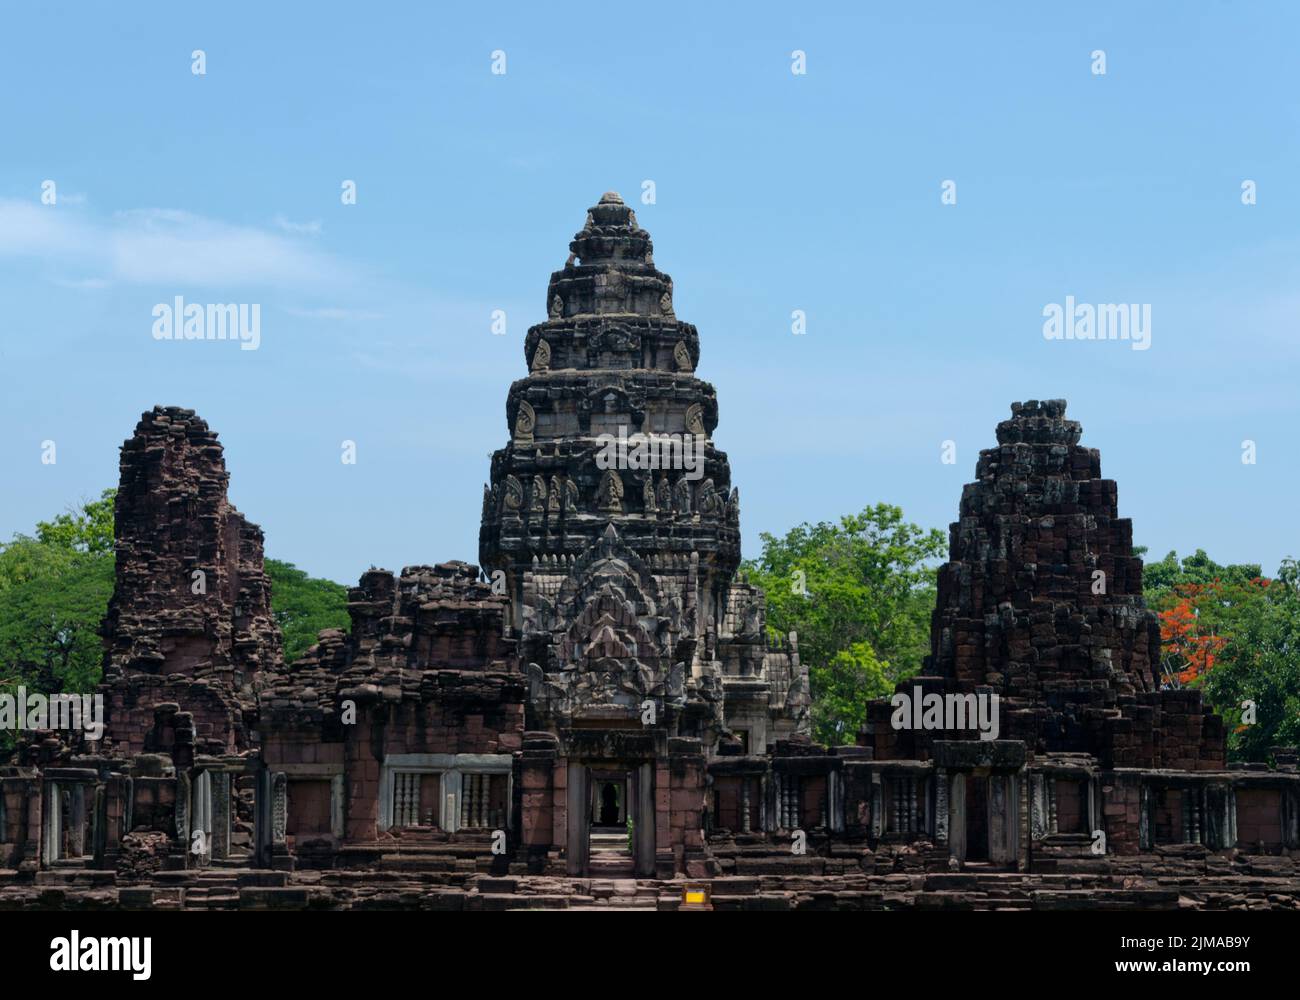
155, 245
82, 284
312, 228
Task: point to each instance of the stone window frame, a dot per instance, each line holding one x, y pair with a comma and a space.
1044, 802
1213, 823
334, 774
450, 768
52, 829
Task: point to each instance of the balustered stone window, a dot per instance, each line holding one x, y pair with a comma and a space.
446, 792
905, 804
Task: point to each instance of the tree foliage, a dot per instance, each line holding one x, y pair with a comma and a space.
54, 590
303, 605
1235, 634
859, 594
55, 585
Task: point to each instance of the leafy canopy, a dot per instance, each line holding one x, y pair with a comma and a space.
859, 594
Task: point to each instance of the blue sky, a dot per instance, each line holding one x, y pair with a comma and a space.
774, 192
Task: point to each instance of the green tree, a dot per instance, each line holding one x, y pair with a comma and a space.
859, 594
87, 528
1257, 671
54, 591
303, 605
1159, 579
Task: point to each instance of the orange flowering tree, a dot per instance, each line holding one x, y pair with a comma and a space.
1235, 634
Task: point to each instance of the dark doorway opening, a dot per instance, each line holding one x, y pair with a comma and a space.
609, 804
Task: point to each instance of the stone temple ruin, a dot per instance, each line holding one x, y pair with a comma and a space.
599, 711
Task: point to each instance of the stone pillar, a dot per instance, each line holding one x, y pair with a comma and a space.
451, 789
940, 805
957, 818
835, 800
534, 773
262, 819
643, 831
877, 806
52, 841
337, 794
578, 834
1037, 806
183, 815
220, 805
279, 807
77, 816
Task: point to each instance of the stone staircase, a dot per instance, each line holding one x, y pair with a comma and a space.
610, 857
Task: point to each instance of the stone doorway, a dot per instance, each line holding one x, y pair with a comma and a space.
603, 802
984, 818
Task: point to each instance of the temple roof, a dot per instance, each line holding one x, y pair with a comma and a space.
611, 233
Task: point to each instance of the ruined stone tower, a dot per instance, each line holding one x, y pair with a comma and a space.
620, 574
189, 624
1041, 603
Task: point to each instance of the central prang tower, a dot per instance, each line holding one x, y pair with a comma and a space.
621, 577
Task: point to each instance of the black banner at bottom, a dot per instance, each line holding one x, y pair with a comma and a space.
147, 949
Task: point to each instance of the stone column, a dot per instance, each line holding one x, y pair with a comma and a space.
957, 818
577, 838
220, 798
940, 805
183, 814
451, 788
643, 831
337, 793
52, 847
279, 807
77, 815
